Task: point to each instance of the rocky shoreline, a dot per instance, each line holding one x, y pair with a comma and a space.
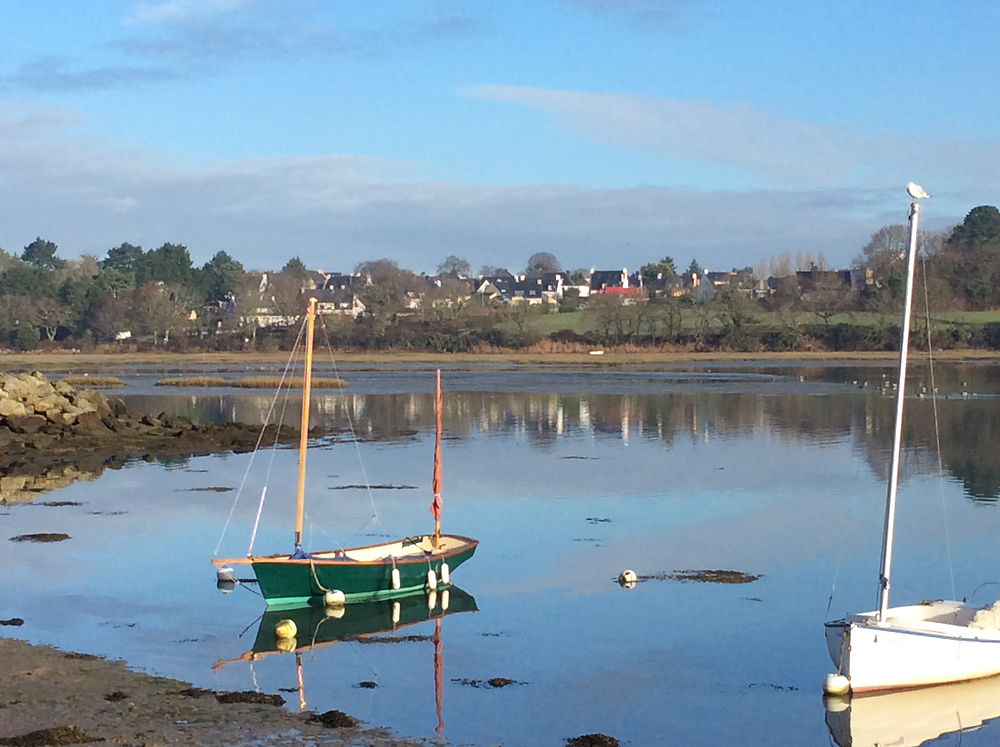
52, 433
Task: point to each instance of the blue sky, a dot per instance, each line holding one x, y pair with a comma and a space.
607, 132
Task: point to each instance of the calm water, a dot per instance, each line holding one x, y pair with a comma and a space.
567, 477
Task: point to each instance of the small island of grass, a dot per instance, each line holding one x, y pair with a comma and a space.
251, 382
101, 382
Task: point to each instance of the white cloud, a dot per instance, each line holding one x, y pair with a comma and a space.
769, 148
335, 211
182, 11
658, 14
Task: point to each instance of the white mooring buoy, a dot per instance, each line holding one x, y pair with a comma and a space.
628, 578
334, 598
836, 684
225, 579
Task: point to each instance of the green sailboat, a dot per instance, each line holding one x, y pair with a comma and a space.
412, 565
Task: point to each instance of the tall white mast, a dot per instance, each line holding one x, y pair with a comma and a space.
897, 437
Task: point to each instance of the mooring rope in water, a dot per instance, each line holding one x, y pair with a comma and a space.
260, 438
937, 431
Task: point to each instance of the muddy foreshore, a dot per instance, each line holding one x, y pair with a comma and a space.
49, 697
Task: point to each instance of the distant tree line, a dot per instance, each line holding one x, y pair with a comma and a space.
158, 297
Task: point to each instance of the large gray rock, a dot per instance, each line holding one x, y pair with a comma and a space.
25, 423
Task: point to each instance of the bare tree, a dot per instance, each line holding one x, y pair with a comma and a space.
110, 317
456, 266
781, 266
883, 257
543, 262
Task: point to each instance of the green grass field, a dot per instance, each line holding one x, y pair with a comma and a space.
580, 322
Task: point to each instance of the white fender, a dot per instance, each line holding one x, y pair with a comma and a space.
836, 684
445, 574
432, 579
395, 578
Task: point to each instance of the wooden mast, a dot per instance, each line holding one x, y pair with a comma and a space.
304, 422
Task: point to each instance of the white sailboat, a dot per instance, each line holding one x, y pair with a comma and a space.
929, 643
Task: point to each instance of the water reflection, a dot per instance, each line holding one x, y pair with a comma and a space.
379, 622
969, 428
912, 717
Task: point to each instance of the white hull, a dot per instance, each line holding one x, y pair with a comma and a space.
912, 717
918, 645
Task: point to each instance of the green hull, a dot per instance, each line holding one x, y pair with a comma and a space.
287, 582
316, 626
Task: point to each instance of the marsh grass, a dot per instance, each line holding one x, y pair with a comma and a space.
614, 355
252, 382
193, 381
272, 382
94, 381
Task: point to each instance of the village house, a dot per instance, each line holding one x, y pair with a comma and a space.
498, 287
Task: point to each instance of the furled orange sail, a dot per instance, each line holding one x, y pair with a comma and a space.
436, 483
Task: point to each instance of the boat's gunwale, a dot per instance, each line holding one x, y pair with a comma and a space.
932, 630
467, 543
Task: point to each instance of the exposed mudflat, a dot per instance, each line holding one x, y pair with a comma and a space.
52, 697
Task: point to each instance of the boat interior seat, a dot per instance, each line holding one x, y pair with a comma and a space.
407, 548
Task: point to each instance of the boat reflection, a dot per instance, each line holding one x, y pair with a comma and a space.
912, 717
317, 626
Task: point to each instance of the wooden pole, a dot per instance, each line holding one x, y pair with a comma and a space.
304, 422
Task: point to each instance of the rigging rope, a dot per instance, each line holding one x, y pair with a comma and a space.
277, 431
253, 454
840, 556
937, 429
350, 423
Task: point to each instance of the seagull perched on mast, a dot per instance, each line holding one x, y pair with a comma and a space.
916, 191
